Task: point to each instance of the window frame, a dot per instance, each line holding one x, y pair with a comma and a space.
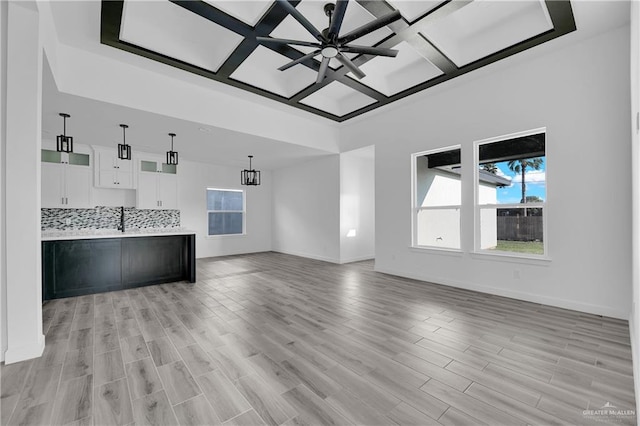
243, 211
415, 209
477, 207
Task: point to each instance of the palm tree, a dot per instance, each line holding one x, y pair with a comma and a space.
521, 166
490, 167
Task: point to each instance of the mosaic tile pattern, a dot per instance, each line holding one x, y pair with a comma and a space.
140, 218
103, 217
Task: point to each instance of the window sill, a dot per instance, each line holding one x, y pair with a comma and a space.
511, 257
436, 250
215, 237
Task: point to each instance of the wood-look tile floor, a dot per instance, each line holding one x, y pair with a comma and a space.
280, 340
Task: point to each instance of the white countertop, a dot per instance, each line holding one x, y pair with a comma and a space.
86, 234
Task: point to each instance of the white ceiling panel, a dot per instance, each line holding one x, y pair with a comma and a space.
171, 30
412, 9
313, 10
484, 27
337, 99
393, 75
260, 69
248, 12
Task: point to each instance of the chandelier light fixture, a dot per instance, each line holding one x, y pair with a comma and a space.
251, 176
124, 150
172, 156
64, 143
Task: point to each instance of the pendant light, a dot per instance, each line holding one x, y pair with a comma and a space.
64, 143
124, 150
251, 176
172, 156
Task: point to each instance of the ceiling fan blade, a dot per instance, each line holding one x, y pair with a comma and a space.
287, 41
350, 65
300, 18
323, 69
297, 61
380, 51
370, 27
336, 19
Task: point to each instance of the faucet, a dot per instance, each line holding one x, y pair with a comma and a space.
121, 226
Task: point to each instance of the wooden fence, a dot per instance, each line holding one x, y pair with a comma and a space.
520, 228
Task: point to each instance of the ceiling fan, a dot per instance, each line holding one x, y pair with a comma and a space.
330, 44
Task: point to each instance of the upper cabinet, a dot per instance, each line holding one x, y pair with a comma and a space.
66, 179
112, 172
157, 184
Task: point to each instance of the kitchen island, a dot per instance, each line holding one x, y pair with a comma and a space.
76, 263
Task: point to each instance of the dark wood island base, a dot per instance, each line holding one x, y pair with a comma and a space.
85, 266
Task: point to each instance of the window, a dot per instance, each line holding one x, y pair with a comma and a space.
225, 211
437, 198
511, 193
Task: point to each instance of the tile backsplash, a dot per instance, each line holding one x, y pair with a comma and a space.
108, 218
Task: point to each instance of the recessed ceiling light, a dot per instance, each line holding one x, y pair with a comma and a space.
205, 129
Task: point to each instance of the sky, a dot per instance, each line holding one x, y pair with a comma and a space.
534, 179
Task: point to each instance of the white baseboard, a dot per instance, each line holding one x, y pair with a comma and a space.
307, 255
207, 255
635, 351
513, 294
25, 352
358, 258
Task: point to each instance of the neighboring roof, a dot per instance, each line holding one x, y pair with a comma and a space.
484, 176
488, 177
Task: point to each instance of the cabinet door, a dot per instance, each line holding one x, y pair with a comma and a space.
168, 191
107, 179
147, 193
106, 160
153, 260
52, 185
124, 165
124, 180
78, 186
76, 267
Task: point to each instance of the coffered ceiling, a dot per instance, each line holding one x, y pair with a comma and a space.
436, 41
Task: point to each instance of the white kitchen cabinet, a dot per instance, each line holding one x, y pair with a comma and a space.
112, 172
157, 185
52, 185
168, 191
77, 186
147, 193
66, 180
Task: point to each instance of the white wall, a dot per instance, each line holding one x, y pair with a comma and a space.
124, 79
357, 204
193, 180
306, 209
634, 320
584, 105
22, 184
3, 143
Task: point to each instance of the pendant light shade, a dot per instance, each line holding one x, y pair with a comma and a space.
64, 143
124, 150
251, 176
172, 156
